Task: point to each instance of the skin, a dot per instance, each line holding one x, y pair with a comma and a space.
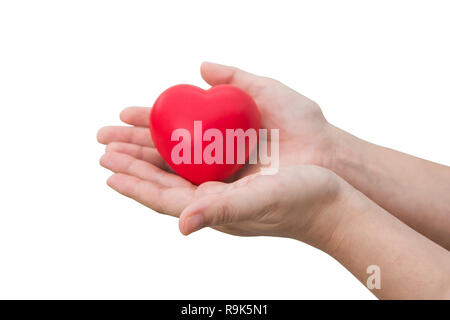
362, 204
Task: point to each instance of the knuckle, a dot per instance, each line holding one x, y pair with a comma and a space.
224, 214
113, 146
132, 166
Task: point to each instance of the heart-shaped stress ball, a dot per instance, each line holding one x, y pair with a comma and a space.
205, 135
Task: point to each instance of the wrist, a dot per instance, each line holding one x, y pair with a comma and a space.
344, 154
334, 217
336, 151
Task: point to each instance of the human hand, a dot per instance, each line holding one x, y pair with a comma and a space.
288, 204
305, 136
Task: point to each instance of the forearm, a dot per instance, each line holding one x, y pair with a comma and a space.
414, 190
363, 234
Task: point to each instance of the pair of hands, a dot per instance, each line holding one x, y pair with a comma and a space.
392, 213
291, 203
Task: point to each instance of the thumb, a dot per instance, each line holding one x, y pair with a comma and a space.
215, 74
218, 209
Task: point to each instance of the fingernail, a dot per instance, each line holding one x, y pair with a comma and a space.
193, 223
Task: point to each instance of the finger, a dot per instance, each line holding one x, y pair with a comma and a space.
135, 135
148, 154
216, 74
123, 163
169, 201
235, 205
136, 116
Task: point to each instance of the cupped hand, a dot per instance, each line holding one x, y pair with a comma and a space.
290, 203
305, 137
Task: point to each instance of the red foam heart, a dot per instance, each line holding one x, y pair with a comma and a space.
221, 107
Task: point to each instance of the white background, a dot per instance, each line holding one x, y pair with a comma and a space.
379, 69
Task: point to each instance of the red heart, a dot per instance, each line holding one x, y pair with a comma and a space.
221, 107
